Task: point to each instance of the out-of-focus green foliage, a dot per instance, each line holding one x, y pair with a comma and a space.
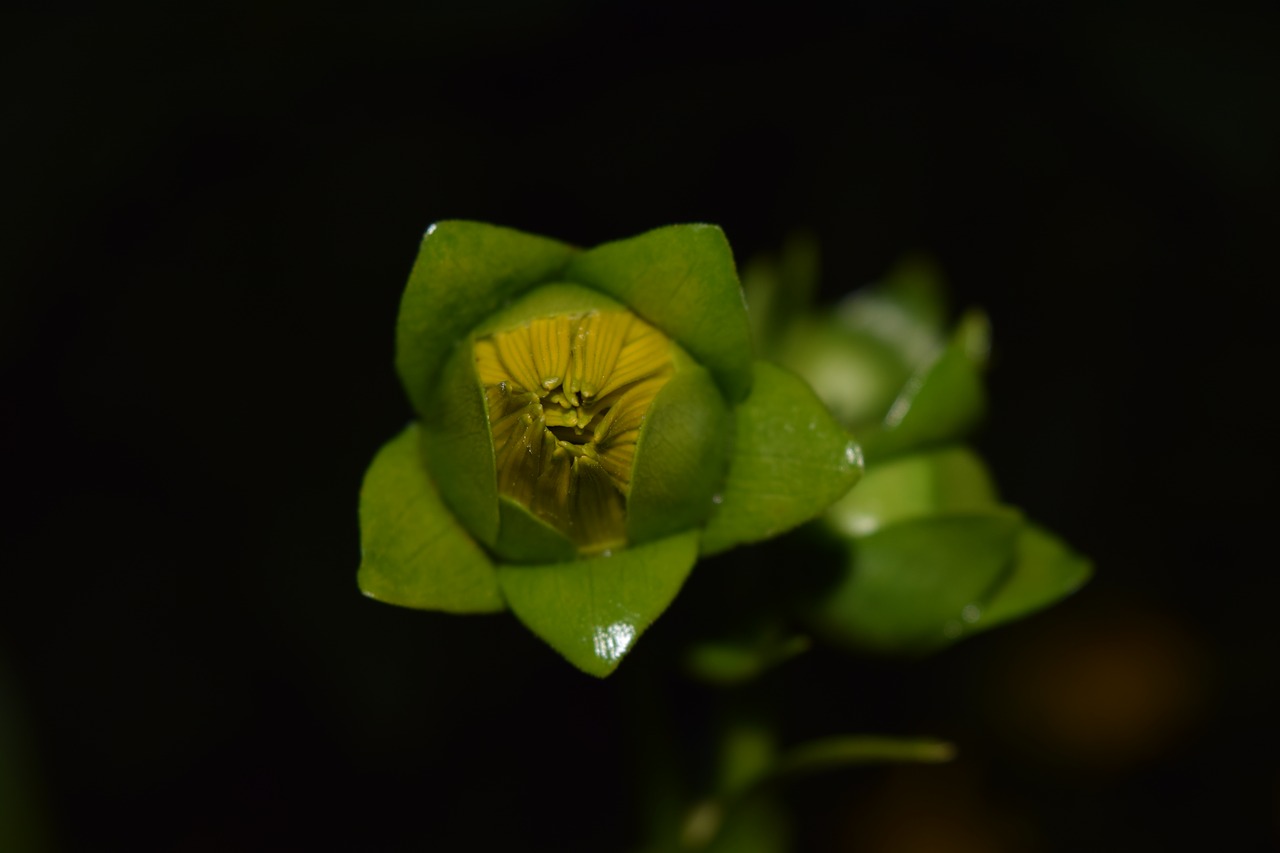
928, 552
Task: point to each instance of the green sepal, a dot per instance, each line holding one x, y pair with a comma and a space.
681, 456
413, 551
943, 401
918, 585
458, 445
592, 611
525, 538
463, 273
933, 482
790, 460
681, 279
1044, 571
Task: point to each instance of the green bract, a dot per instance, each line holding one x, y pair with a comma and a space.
588, 423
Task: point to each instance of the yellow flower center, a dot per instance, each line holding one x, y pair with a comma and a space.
566, 397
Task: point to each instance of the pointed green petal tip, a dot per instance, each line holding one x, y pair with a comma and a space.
593, 611
790, 460
463, 273
682, 279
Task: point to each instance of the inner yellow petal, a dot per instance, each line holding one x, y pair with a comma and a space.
566, 398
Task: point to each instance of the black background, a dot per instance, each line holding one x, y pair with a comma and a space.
209, 216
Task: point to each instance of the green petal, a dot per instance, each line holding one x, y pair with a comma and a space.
790, 460
680, 457
942, 402
1044, 571
918, 585
682, 280
592, 611
949, 480
413, 551
458, 446
464, 272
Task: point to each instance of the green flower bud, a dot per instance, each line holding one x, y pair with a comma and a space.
589, 422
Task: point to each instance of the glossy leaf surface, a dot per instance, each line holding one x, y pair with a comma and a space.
918, 585
463, 273
413, 551
682, 280
592, 611
790, 460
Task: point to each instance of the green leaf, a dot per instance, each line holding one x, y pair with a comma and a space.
463, 273
790, 460
949, 480
682, 280
413, 551
458, 446
917, 585
1044, 571
680, 458
592, 611
943, 401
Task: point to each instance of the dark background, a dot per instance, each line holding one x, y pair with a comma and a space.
209, 216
